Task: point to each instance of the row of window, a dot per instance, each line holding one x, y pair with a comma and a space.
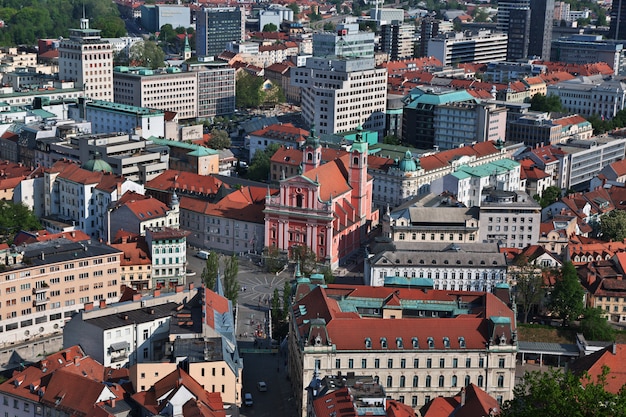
416, 362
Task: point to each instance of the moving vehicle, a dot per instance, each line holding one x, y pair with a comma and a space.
203, 254
262, 386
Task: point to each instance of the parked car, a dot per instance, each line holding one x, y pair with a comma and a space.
247, 399
262, 386
203, 254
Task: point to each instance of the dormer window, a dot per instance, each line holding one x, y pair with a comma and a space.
368, 343
431, 343
383, 342
446, 342
462, 342
399, 343
415, 343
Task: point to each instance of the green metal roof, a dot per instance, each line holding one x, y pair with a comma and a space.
495, 167
108, 105
418, 96
42, 113
191, 146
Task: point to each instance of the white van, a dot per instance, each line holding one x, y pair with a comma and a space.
203, 254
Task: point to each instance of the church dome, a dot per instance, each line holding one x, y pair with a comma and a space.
97, 164
408, 164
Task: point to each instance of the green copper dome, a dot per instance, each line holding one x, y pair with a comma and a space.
97, 164
408, 164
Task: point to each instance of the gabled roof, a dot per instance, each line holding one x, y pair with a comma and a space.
157, 397
283, 131
471, 401
332, 178
172, 180
141, 206
613, 357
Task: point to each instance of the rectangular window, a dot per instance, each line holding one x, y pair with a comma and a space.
416, 363
350, 363
501, 363
390, 363
442, 363
402, 363
468, 362
338, 363
363, 363
376, 363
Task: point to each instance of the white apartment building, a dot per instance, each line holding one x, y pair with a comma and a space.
482, 46
338, 95
588, 95
445, 266
87, 59
123, 334
106, 116
165, 89
467, 183
511, 219
464, 123
168, 247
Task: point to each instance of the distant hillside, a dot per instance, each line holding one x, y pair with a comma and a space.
26, 21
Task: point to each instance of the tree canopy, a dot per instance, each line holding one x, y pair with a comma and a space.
613, 225
529, 288
26, 21
551, 103
248, 90
210, 271
15, 217
562, 394
270, 27
147, 54
595, 326
259, 168
566, 298
550, 195
231, 285
219, 139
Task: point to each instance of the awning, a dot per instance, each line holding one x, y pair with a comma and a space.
120, 346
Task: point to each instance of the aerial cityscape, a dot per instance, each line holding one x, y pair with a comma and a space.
312, 208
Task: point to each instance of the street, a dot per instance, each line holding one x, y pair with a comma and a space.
263, 361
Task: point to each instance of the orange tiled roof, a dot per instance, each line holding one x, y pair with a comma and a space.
332, 177
285, 131
570, 120
594, 363
172, 180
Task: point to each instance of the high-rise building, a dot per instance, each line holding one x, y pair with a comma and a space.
482, 46
216, 28
347, 41
519, 32
504, 9
396, 39
353, 93
87, 59
618, 20
428, 29
541, 18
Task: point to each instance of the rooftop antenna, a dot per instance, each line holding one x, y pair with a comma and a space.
84, 22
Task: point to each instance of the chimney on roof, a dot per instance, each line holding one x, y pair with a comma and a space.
614, 349
157, 293
462, 396
112, 402
103, 304
89, 306
179, 288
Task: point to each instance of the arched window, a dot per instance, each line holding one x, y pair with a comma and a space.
500, 381
356, 160
480, 381
428, 381
299, 200
309, 156
389, 381
402, 381
454, 380
467, 380
441, 380
415, 381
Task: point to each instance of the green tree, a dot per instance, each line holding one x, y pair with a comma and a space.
613, 226
601, 20
248, 90
562, 394
219, 139
480, 15
295, 8
329, 27
167, 34
329, 278
595, 326
287, 300
275, 308
111, 27
314, 17
306, 257
274, 260
15, 217
270, 27
259, 168
231, 285
551, 103
147, 54
210, 271
550, 195
528, 281
566, 298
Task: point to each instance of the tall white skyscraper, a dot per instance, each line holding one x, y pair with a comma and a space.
87, 59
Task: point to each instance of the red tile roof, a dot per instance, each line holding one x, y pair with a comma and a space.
44, 235
284, 131
142, 206
172, 180
214, 303
332, 177
476, 403
444, 158
135, 248
570, 120
594, 363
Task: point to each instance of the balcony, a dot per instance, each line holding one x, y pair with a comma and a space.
41, 301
